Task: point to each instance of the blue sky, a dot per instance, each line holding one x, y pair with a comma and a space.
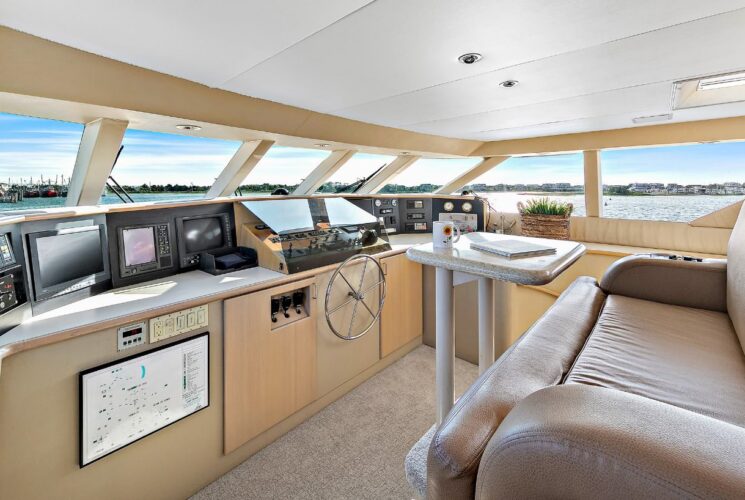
30, 147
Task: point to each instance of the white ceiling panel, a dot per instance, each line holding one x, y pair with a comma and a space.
643, 100
659, 56
207, 42
394, 47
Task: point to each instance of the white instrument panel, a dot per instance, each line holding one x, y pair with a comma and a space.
467, 223
124, 401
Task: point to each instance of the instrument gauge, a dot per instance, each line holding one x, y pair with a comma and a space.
394, 202
448, 206
467, 206
378, 203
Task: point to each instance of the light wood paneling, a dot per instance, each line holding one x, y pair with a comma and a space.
269, 374
401, 321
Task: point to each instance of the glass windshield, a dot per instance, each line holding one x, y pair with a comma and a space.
154, 166
427, 175
37, 157
282, 167
359, 167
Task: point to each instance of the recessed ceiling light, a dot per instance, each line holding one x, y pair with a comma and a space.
508, 84
653, 118
722, 81
470, 58
188, 127
323, 145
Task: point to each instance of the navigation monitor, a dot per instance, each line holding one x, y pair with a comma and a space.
66, 260
144, 248
202, 233
139, 245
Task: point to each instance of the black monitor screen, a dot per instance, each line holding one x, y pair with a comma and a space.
69, 256
203, 234
139, 245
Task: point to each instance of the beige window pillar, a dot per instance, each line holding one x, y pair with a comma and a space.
465, 178
390, 171
240, 165
98, 149
593, 184
328, 167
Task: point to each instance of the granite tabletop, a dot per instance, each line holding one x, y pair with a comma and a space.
525, 271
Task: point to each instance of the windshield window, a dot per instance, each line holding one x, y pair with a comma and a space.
37, 157
154, 166
427, 175
281, 167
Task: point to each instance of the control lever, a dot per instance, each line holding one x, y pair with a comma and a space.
298, 297
275, 309
286, 303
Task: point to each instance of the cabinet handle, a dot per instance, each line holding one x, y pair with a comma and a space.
313, 291
385, 268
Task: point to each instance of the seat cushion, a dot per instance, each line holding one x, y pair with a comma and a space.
690, 358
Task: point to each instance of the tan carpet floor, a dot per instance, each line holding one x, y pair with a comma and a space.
352, 449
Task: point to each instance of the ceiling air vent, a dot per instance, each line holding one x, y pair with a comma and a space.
710, 90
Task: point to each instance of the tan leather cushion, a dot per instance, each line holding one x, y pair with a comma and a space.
541, 358
580, 442
686, 357
736, 277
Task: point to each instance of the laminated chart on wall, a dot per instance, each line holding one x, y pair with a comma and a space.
124, 401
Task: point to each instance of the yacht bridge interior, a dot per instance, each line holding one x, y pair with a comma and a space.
372, 249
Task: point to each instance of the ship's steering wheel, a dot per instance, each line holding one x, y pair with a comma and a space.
359, 292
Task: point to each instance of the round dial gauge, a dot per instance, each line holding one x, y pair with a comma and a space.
467, 206
378, 203
394, 202
448, 206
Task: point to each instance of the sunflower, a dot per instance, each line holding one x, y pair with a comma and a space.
447, 231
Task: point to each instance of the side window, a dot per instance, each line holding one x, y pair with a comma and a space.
155, 166
37, 157
427, 175
672, 183
559, 177
281, 167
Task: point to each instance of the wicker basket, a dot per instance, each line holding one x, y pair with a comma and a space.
544, 226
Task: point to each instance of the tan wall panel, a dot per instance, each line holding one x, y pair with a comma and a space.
723, 129
652, 234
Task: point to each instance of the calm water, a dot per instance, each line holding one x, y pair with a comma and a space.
667, 208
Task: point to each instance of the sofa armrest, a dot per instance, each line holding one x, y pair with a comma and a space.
584, 442
691, 283
540, 358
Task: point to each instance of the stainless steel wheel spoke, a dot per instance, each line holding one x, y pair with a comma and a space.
332, 311
368, 308
347, 282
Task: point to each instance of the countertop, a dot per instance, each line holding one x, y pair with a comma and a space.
525, 271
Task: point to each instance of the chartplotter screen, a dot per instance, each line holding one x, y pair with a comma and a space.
128, 399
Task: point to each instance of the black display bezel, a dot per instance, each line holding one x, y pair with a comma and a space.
126, 271
191, 259
43, 293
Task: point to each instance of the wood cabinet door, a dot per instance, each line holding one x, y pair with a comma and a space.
269, 374
401, 320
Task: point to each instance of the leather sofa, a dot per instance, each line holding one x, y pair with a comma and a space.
632, 387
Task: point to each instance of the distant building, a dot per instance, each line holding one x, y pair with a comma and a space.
646, 187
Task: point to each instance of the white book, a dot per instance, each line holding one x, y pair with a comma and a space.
513, 248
